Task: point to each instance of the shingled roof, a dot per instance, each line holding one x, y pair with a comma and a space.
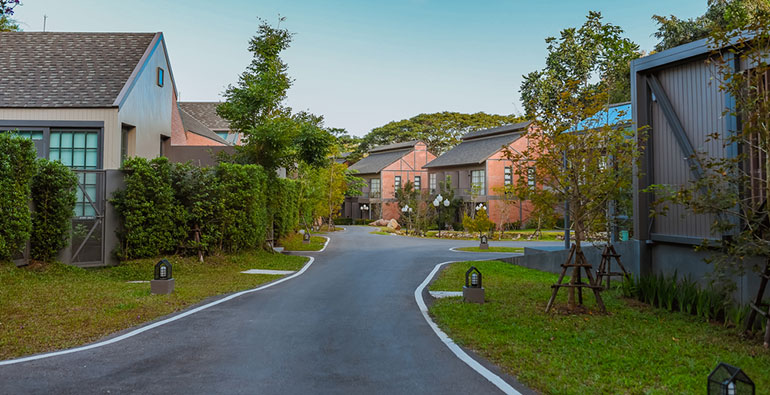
191, 124
390, 147
382, 156
206, 113
477, 146
53, 69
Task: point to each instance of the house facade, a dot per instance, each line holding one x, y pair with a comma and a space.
477, 170
678, 104
89, 100
386, 169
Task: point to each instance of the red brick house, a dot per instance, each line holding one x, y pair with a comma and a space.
386, 169
478, 161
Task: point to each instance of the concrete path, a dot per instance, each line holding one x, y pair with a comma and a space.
349, 324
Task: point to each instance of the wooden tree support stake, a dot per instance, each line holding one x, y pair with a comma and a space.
605, 266
757, 306
577, 261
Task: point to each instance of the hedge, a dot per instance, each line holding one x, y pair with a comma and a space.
54, 198
17, 167
228, 207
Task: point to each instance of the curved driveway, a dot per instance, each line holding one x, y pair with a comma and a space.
348, 325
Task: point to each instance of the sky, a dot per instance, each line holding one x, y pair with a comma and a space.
362, 64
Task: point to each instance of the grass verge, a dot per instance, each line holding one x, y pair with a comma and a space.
293, 242
55, 306
518, 235
491, 249
633, 349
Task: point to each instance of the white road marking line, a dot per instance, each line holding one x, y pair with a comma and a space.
462, 355
265, 271
156, 324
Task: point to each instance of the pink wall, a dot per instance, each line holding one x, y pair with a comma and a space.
408, 167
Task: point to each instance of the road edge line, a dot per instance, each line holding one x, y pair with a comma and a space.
459, 353
157, 324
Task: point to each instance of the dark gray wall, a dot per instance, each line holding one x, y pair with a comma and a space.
200, 155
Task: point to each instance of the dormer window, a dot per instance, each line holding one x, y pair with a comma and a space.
160, 76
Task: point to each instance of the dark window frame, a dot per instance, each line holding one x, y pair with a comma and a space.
417, 182
160, 77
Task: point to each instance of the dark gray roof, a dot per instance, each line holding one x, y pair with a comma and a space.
194, 126
498, 130
390, 147
473, 151
67, 69
206, 113
375, 162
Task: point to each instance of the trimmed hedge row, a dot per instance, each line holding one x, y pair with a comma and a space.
49, 186
180, 208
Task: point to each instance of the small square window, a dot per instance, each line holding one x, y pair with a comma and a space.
160, 76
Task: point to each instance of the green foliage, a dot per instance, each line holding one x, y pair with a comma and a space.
440, 131
151, 216
197, 191
283, 205
17, 168
244, 218
54, 198
481, 223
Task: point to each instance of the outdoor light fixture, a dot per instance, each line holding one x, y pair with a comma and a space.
481, 206
473, 291
729, 380
306, 238
164, 281
437, 202
484, 244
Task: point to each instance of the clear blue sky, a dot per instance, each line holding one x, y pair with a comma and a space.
359, 63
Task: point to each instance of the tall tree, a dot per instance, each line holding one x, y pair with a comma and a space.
574, 156
440, 131
6, 10
674, 31
274, 136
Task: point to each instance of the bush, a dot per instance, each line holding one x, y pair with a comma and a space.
17, 168
197, 191
244, 216
283, 205
343, 221
153, 220
54, 198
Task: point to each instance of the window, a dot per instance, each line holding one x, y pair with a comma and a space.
417, 183
35, 135
477, 181
78, 149
374, 187
160, 76
223, 135
432, 182
397, 183
531, 181
508, 175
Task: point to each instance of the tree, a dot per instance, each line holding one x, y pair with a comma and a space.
595, 49
734, 190
274, 137
440, 131
574, 158
673, 31
6, 10
480, 224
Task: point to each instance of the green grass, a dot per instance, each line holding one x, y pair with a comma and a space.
293, 242
491, 249
379, 232
519, 235
55, 306
634, 349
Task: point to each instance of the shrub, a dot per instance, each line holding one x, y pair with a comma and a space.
283, 205
17, 167
197, 191
243, 220
153, 220
54, 198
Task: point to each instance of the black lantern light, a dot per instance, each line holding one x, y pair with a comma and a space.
306, 236
163, 270
473, 278
729, 380
484, 239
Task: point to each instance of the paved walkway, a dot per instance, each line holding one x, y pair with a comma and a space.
349, 324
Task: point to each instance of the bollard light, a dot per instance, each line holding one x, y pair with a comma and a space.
473, 278
164, 279
729, 380
163, 270
473, 291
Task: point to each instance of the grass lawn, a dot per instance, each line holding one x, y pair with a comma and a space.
55, 306
492, 249
379, 232
634, 349
518, 235
293, 242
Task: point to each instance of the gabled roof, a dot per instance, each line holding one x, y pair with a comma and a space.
51, 69
375, 162
206, 113
477, 146
394, 146
192, 125
495, 131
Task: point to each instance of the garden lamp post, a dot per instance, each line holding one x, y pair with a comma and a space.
437, 203
364, 208
408, 213
473, 291
729, 380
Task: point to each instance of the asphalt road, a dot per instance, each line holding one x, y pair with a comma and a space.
349, 324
